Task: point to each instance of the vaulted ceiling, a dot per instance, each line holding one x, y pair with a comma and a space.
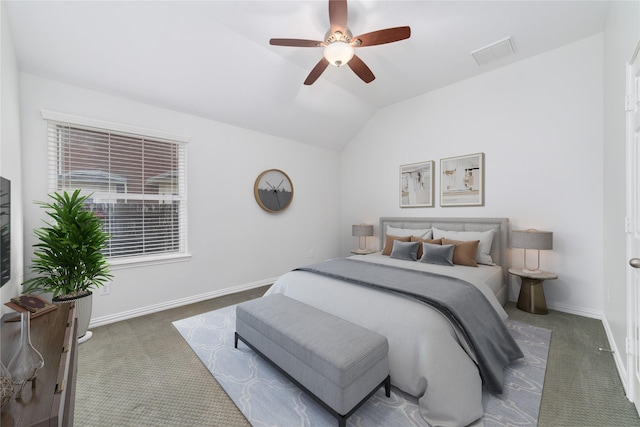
213, 59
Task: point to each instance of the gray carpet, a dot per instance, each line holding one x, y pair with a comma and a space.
140, 372
582, 385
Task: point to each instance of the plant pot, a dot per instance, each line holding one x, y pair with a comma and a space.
84, 305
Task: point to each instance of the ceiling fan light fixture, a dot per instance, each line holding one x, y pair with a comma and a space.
339, 44
338, 53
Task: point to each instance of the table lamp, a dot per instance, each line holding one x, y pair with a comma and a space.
532, 239
362, 230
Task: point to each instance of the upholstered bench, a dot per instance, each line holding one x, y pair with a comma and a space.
338, 363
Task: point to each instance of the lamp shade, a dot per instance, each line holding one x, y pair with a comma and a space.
362, 230
532, 239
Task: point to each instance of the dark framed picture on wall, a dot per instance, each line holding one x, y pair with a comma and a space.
273, 190
462, 180
416, 185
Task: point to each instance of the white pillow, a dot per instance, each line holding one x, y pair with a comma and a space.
423, 233
483, 255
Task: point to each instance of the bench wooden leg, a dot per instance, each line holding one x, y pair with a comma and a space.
387, 386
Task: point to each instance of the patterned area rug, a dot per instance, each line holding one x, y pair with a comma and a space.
267, 398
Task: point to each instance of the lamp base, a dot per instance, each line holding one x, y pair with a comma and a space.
526, 270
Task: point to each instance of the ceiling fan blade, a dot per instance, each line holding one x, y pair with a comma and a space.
388, 35
361, 69
338, 15
295, 42
317, 71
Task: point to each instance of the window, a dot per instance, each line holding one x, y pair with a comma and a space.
136, 182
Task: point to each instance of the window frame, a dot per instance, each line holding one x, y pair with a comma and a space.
101, 125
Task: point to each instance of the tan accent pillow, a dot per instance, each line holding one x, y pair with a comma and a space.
465, 252
418, 239
388, 244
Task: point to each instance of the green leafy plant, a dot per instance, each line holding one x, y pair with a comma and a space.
68, 257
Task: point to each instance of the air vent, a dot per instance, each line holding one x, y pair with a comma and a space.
494, 51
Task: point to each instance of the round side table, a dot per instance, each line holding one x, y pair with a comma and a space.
531, 298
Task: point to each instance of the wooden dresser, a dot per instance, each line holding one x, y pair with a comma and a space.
51, 403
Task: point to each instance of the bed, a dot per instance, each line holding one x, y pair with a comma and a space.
429, 357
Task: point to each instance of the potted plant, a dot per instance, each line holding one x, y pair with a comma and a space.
68, 256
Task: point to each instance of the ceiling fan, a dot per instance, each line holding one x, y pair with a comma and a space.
339, 44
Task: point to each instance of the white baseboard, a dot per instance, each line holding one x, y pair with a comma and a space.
105, 320
578, 311
620, 366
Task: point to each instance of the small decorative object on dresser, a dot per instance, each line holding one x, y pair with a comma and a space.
52, 402
273, 190
6, 385
26, 360
360, 231
531, 298
31, 303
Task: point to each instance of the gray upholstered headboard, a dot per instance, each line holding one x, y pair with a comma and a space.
499, 248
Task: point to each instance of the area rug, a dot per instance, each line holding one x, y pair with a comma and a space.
267, 398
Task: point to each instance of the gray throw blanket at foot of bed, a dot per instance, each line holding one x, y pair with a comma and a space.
459, 301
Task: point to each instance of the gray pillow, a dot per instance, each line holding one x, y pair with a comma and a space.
405, 250
437, 254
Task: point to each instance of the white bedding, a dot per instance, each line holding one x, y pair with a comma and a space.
427, 359
487, 278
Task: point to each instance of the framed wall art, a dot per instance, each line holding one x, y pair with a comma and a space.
416, 185
462, 180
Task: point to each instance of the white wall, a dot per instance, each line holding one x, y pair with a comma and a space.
539, 123
10, 164
622, 33
234, 244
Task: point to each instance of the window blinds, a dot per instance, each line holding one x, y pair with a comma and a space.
136, 183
